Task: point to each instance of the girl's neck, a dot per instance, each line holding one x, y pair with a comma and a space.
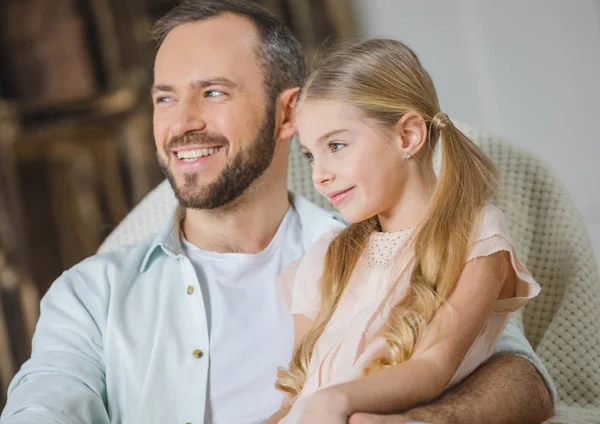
411, 208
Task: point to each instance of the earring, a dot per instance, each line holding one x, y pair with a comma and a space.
408, 156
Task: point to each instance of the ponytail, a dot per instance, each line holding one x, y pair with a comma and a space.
468, 178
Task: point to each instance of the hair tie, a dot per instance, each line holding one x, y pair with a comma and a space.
441, 121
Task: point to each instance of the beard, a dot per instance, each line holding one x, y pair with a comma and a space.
237, 175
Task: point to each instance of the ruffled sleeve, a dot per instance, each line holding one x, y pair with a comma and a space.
492, 236
299, 283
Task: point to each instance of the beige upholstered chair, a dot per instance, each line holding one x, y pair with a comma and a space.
561, 323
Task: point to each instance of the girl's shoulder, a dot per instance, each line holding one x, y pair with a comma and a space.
491, 235
315, 254
298, 284
490, 222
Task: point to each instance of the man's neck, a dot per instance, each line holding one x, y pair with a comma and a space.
246, 226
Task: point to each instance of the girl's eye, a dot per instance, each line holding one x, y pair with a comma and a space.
309, 156
336, 146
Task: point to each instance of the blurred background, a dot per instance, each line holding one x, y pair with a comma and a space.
76, 148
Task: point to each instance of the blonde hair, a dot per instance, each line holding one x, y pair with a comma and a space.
384, 79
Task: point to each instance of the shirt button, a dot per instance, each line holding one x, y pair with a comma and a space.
198, 354
190, 290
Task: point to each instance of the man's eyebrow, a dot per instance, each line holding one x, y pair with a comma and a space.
325, 137
161, 87
213, 81
198, 84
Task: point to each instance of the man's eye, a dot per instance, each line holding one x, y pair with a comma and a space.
213, 93
162, 99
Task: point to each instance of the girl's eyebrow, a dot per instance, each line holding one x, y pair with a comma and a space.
325, 137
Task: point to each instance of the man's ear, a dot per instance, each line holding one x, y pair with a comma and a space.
413, 132
286, 121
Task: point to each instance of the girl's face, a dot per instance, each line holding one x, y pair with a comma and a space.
356, 165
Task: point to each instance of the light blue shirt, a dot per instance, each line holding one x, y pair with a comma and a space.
119, 340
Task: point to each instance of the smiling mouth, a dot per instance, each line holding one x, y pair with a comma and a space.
338, 197
194, 154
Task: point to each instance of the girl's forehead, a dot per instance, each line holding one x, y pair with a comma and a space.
326, 112
315, 119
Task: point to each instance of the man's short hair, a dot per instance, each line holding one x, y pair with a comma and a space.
279, 52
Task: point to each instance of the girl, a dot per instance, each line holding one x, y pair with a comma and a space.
412, 296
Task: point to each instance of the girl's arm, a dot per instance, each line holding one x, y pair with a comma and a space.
450, 334
277, 416
302, 324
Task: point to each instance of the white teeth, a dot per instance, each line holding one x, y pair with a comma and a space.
190, 155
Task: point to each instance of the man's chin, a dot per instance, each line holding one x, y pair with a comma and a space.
189, 182
183, 176
187, 192
192, 199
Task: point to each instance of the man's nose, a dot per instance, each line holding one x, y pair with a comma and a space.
189, 118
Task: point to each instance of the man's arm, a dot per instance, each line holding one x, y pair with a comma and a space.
506, 389
513, 386
64, 381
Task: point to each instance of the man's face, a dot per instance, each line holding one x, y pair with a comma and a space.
213, 123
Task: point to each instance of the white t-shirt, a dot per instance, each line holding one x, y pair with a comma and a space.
250, 333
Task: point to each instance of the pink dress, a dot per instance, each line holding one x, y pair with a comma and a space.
352, 339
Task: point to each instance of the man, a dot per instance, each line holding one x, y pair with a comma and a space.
186, 326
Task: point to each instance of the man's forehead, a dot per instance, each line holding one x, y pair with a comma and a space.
224, 43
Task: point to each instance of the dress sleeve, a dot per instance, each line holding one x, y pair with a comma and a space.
492, 236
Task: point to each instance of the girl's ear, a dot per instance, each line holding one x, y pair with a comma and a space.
413, 132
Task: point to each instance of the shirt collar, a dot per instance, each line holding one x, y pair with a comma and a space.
168, 239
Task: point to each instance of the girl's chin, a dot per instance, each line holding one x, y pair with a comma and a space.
353, 216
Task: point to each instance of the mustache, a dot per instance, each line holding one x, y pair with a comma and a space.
197, 138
